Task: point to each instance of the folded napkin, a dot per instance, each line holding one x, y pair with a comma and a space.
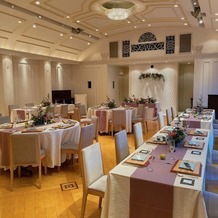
187, 165
139, 157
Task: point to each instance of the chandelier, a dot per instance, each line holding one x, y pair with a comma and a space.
118, 10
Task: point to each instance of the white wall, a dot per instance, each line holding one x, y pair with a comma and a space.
165, 92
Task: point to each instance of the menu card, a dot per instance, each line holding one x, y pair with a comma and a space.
195, 132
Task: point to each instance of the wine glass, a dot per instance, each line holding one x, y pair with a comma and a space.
149, 168
171, 148
187, 124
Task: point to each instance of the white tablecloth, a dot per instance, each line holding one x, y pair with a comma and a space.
50, 139
187, 200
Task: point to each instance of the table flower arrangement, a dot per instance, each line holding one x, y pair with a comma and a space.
199, 104
111, 103
177, 134
46, 101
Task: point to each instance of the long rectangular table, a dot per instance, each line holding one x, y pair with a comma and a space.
132, 191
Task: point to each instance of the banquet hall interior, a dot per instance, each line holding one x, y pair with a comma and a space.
162, 50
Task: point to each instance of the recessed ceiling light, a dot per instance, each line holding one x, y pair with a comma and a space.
185, 24
105, 34
78, 21
12, 6
37, 2
135, 27
34, 25
216, 14
216, 19
61, 34
182, 18
216, 30
71, 37
149, 24
40, 17
143, 20
88, 43
19, 21
175, 6
68, 17
128, 21
96, 30
90, 36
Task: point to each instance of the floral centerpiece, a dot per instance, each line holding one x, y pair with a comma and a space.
42, 117
151, 100
178, 134
111, 103
46, 101
154, 76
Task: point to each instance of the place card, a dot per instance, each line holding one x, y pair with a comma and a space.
187, 181
196, 152
32, 129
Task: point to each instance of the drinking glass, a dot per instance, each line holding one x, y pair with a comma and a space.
171, 144
150, 169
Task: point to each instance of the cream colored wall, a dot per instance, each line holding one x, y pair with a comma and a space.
205, 79
165, 92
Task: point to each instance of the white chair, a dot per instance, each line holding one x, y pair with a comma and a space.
169, 117
11, 107
76, 116
64, 110
215, 156
211, 201
25, 149
83, 111
160, 120
94, 179
138, 135
95, 122
140, 110
118, 120
121, 146
86, 139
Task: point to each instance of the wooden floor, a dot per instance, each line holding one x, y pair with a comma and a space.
28, 201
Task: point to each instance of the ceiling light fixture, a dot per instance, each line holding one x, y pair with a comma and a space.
118, 10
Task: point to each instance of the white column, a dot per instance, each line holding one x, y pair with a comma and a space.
47, 78
8, 82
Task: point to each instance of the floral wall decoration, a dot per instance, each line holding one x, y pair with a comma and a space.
155, 76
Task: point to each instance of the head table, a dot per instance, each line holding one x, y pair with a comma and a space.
51, 138
133, 191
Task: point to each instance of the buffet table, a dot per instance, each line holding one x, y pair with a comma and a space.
132, 191
51, 138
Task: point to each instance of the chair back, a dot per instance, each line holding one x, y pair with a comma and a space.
138, 134
11, 107
76, 114
102, 117
86, 136
150, 113
121, 146
4, 119
169, 117
92, 165
211, 201
83, 111
21, 115
140, 110
25, 149
64, 110
95, 122
118, 118
172, 113
160, 119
